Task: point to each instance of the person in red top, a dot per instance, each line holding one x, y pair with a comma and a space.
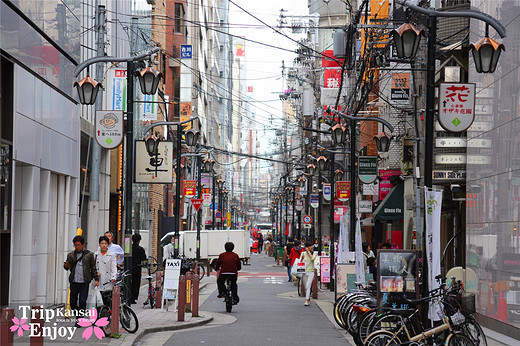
229, 264
295, 252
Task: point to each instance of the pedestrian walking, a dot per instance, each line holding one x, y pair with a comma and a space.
260, 243
106, 265
82, 266
294, 254
287, 250
138, 256
308, 256
115, 249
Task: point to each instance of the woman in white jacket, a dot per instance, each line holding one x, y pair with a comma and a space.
106, 264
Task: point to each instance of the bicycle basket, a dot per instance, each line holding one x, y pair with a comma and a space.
468, 303
457, 318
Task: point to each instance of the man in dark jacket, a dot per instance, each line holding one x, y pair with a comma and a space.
138, 256
229, 264
82, 266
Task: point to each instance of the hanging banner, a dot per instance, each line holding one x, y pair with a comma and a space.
433, 203
456, 106
360, 264
343, 190
367, 169
326, 192
155, 169
342, 252
315, 200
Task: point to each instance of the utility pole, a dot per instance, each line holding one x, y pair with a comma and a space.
93, 204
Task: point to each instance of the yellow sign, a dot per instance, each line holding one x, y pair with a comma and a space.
228, 216
501, 286
188, 291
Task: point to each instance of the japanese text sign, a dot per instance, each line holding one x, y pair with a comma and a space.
332, 78
343, 190
186, 51
456, 106
190, 188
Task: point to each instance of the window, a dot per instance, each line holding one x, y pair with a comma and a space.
179, 17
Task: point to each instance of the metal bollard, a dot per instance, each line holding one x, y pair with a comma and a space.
38, 320
6, 321
195, 299
158, 289
114, 319
181, 298
315, 285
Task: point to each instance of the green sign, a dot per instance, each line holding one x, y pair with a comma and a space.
367, 169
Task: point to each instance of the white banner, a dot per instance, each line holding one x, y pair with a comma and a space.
360, 266
342, 256
433, 203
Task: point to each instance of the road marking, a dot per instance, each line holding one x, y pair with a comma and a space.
273, 280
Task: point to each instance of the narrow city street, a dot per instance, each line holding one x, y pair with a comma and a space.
269, 313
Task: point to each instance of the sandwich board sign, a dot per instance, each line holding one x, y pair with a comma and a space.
171, 281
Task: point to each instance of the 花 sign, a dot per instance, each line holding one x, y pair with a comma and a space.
456, 106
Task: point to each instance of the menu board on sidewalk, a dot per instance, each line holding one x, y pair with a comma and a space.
324, 269
396, 278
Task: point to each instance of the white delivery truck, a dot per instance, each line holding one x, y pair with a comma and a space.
211, 243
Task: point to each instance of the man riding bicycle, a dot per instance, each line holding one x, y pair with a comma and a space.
229, 264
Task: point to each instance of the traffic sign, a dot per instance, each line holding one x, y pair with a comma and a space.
218, 214
196, 202
299, 204
307, 219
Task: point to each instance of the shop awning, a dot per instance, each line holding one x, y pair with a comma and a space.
391, 208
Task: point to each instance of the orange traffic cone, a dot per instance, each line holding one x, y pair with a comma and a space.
491, 309
502, 308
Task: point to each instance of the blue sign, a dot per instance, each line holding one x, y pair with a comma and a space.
186, 51
218, 214
315, 200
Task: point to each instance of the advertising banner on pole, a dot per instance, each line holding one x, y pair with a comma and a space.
326, 192
315, 200
109, 128
190, 188
156, 169
456, 106
367, 169
343, 190
360, 264
433, 203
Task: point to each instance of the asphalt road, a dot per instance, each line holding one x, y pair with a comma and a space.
269, 313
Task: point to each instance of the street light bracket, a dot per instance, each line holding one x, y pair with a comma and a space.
159, 123
379, 120
97, 59
501, 30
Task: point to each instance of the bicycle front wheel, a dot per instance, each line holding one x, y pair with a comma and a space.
201, 271
128, 319
151, 297
382, 338
105, 312
458, 339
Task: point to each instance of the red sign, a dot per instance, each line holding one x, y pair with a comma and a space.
196, 202
190, 188
385, 185
331, 78
329, 60
307, 219
343, 190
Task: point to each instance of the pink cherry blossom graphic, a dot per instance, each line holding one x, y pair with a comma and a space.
19, 325
93, 325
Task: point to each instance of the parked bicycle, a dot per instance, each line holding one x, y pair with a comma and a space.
192, 266
127, 316
152, 266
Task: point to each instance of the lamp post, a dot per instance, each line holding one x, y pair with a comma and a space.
486, 53
311, 169
87, 90
352, 169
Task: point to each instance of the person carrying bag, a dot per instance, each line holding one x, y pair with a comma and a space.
308, 256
